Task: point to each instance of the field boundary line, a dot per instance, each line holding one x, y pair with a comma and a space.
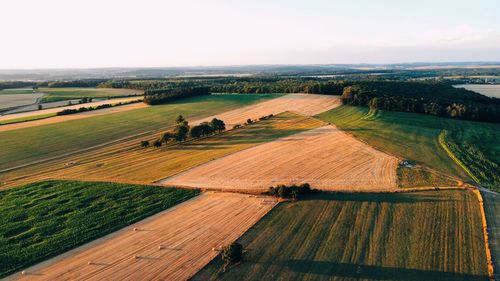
489, 261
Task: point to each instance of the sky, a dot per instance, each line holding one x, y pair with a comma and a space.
155, 33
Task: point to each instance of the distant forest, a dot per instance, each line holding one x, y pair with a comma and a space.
432, 97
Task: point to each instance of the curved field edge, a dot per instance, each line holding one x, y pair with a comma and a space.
44, 219
415, 136
36, 143
426, 235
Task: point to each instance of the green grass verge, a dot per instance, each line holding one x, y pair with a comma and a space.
16, 91
416, 136
26, 119
35, 143
44, 219
432, 235
61, 94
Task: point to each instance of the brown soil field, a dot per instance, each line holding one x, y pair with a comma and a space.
63, 118
126, 161
172, 245
325, 157
304, 104
15, 100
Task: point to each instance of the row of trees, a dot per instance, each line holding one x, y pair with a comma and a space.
182, 131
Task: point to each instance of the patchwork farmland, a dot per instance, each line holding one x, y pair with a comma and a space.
172, 245
433, 235
325, 157
360, 234
126, 161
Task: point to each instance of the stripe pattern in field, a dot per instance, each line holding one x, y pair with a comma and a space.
304, 104
186, 233
325, 157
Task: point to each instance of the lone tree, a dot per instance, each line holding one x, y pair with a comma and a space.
217, 125
145, 143
231, 254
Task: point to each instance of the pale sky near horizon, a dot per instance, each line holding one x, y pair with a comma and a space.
129, 33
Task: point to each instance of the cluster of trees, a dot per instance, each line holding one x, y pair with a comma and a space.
182, 130
433, 98
207, 128
163, 95
294, 192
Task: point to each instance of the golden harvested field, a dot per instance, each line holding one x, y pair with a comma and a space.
305, 104
126, 161
325, 157
419, 236
172, 245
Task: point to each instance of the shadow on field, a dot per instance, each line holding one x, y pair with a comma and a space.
414, 197
357, 271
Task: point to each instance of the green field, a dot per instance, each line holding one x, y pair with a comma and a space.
433, 235
60, 94
45, 219
416, 136
16, 91
35, 143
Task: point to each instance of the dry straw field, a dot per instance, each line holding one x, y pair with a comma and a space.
305, 104
126, 161
325, 157
172, 245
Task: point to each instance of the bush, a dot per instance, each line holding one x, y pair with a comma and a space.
145, 143
157, 143
231, 254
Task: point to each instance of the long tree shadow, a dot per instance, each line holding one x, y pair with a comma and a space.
413, 197
358, 271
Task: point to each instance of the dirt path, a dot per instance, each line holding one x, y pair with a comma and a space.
187, 233
326, 158
491, 201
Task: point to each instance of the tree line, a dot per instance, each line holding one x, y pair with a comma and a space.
438, 99
163, 95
